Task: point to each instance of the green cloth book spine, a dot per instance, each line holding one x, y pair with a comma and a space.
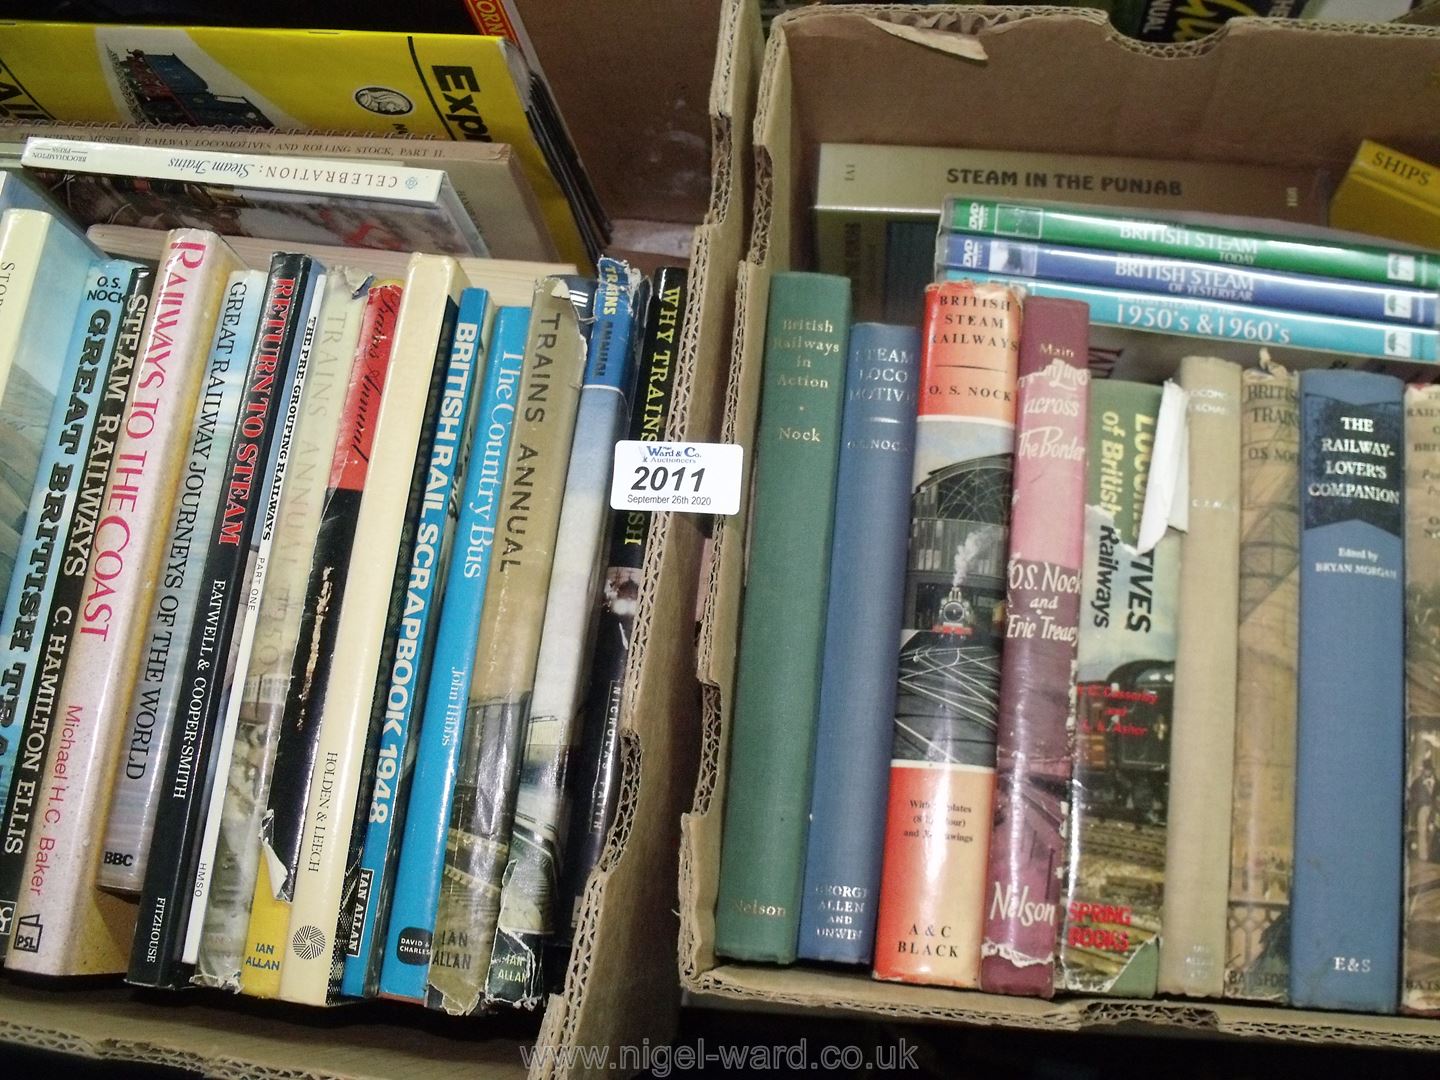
777, 693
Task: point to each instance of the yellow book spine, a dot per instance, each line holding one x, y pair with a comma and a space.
1407, 175
265, 940
1380, 209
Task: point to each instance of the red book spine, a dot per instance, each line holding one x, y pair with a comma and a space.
942, 769
1037, 673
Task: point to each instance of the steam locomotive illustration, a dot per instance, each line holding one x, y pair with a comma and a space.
1123, 731
162, 89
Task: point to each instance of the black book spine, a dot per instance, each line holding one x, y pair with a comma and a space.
69, 586
224, 584
324, 592
595, 779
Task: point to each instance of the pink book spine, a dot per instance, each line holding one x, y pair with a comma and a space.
1037, 675
63, 924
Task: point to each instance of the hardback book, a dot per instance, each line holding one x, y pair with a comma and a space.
1263, 817
49, 268
857, 680
1387, 193
777, 682
876, 207
1166, 276
73, 559
1219, 321
1026, 872
402, 700
594, 778
509, 282
486, 176
1420, 992
157, 697
267, 682
483, 804
246, 620
282, 825
410, 928
1202, 731
282, 198
395, 485
80, 383
460, 87
528, 896
1348, 850
253, 468
942, 759
64, 925
1124, 701
1313, 254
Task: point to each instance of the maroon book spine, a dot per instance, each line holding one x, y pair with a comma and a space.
1037, 675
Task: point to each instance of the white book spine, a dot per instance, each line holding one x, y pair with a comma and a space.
432, 285
225, 744
265, 172
64, 925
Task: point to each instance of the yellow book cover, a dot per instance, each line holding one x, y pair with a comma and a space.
462, 87
1386, 193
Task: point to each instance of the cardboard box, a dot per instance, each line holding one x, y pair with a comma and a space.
1035, 79
620, 989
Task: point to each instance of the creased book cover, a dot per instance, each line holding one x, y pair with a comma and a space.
478, 843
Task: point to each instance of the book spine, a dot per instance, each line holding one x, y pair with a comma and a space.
1118, 232
595, 778
528, 896
1197, 280
1202, 734
1037, 665
404, 697
375, 599
1407, 175
47, 270
777, 691
483, 804
1346, 900
1131, 310
1421, 988
411, 924
252, 588
157, 693
294, 756
47, 518
38, 707
222, 584
265, 689
857, 680
942, 760
63, 924
1165, 21
1262, 833
1124, 694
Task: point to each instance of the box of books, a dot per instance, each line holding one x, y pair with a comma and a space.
1079, 778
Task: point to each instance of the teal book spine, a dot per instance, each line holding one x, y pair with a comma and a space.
777, 692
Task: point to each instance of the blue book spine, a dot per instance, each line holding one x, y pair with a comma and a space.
52, 501
406, 961
156, 699
1182, 277
405, 698
1133, 310
859, 681
1346, 901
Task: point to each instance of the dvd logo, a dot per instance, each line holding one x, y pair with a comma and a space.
119, 858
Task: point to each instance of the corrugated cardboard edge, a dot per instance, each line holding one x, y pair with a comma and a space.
621, 987
776, 143
196, 1035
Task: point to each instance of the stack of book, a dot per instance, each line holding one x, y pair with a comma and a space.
315, 613
1162, 718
